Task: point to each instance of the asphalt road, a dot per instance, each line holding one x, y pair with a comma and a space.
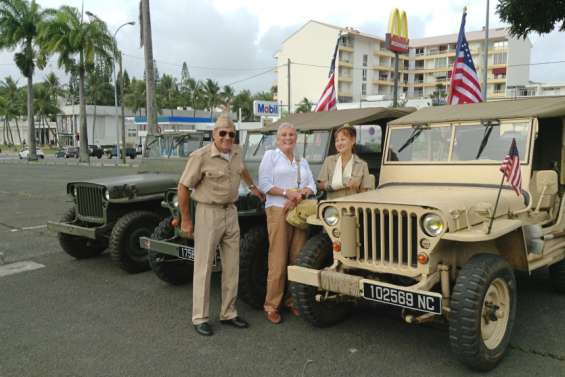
89, 318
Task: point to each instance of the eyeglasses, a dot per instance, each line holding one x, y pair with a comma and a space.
223, 133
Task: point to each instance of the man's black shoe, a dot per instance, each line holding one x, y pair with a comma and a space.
204, 329
238, 322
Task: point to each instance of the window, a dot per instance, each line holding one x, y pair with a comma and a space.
364, 72
365, 60
499, 58
363, 89
500, 44
419, 143
419, 64
440, 62
419, 51
369, 139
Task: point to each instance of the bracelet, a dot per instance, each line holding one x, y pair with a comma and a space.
252, 186
284, 193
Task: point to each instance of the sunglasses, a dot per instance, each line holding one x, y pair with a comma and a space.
223, 133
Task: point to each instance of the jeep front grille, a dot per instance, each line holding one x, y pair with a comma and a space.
89, 201
387, 236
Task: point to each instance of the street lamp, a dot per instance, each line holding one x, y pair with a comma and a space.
116, 91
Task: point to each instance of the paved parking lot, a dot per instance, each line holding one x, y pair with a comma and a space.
88, 318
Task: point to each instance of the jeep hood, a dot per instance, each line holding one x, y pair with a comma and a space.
135, 184
445, 198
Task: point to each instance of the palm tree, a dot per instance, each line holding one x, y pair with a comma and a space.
168, 92
305, 106
54, 91
98, 89
244, 101
20, 21
135, 97
227, 96
79, 44
11, 109
212, 95
46, 107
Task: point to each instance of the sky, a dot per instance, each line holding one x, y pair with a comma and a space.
231, 41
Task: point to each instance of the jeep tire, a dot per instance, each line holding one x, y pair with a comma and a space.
171, 270
483, 307
79, 247
253, 266
317, 254
557, 276
124, 240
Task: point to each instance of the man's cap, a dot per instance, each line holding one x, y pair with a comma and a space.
224, 122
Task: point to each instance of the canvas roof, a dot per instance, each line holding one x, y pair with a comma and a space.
540, 107
334, 119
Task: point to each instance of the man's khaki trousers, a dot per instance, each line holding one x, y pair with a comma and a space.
215, 226
285, 242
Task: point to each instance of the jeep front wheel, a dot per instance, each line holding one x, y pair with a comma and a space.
79, 247
171, 270
483, 307
124, 240
253, 266
317, 254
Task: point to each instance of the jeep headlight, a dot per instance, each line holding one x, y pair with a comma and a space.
331, 215
175, 201
107, 194
433, 224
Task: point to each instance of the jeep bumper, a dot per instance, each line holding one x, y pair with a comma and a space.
160, 246
76, 230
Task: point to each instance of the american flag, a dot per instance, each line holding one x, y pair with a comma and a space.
464, 86
328, 100
511, 168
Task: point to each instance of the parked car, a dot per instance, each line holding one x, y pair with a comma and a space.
72, 152
130, 152
443, 235
60, 153
95, 151
24, 153
113, 212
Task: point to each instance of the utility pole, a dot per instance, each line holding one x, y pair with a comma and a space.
122, 117
485, 68
288, 73
147, 43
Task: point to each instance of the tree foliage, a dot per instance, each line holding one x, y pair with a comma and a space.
525, 16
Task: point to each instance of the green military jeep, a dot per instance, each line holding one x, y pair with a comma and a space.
432, 239
171, 255
114, 212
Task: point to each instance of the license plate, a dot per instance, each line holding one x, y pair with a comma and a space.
428, 302
186, 252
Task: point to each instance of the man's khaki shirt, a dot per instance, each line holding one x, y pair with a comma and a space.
212, 178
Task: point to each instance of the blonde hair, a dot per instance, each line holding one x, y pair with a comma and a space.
283, 126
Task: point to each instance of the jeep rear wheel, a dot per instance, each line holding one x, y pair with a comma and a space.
171, 270
253, 266
557, 276
483, 308
79, 247
124, 240
317, 254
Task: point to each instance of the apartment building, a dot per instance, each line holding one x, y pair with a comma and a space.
365, 67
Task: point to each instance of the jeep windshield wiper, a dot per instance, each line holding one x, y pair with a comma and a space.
484, 141
180, 140
258, 145
413, 136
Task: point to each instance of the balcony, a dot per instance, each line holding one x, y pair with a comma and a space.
345, 63
344, 78
346, 48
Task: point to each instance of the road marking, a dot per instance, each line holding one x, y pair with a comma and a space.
16, 268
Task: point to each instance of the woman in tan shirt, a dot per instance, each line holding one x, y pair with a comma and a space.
344, 173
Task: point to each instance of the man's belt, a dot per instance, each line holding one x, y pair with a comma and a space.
218, 205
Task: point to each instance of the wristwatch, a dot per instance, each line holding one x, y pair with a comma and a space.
284, 193
252, 186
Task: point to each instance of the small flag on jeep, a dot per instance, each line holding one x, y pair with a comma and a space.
511, 168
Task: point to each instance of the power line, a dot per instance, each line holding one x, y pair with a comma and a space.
251, 77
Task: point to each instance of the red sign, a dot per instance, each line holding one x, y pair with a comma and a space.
396, 43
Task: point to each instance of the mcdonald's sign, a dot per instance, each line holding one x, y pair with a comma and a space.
397, 36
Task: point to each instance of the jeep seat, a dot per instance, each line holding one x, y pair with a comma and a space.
544, 188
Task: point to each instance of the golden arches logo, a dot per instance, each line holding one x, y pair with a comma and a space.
397, 36
398, 23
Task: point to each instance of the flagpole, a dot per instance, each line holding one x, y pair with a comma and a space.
495, 205
485, 72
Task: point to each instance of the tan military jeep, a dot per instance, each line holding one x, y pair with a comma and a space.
421, 241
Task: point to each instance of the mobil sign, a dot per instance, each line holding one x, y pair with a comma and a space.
266, 108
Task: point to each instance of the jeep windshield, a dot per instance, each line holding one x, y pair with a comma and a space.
173, 146
486, 142
311, 145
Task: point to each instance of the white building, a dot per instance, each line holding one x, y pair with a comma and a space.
365, 68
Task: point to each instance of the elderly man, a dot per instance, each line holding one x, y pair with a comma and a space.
213, 173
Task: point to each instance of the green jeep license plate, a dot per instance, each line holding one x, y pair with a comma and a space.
429, 302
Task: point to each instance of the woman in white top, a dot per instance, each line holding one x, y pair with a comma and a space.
278, 178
